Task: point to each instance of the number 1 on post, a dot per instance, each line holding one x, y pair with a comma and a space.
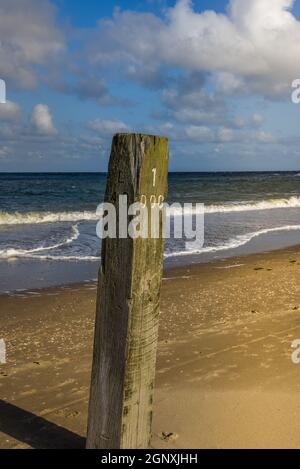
154, 176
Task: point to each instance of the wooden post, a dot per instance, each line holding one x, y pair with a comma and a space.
126, 332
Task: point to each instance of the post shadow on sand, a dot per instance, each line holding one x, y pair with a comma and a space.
36, 431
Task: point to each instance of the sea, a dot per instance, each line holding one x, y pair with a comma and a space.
48, 222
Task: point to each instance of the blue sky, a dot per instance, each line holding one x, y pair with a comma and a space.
85, 15
214, 76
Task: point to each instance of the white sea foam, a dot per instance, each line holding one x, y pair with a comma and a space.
65, 258
18, 218
41, 252
236, 242
13, 253
28, 218
291, 202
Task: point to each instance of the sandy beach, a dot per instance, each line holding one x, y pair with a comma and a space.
225, 378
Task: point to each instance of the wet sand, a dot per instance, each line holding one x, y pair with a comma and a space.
224, 374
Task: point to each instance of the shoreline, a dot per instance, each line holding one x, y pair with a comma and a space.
21, 274
182, 265
224, 372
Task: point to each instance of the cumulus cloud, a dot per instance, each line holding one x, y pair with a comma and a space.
107, 127
88, 87
9, 111
266, 137
41, 119
196, 60
199, 133
28, 37
225, 136
22, 147
93, 88
189, 102
252, 48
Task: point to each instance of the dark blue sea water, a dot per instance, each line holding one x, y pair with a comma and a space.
51, 217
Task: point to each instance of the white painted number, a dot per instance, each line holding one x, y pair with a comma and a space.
154, 176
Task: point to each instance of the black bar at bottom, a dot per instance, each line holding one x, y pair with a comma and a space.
138, 458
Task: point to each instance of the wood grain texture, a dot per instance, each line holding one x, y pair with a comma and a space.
126, 331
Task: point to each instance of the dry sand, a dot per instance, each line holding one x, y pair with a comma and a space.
224, 375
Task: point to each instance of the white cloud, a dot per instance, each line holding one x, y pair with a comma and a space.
41, 118
252, 48
9, 111
28, 37
189, 102
228, 83
266, 137
107, 127
199, 133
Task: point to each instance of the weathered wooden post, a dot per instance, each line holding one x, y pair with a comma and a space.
126, 332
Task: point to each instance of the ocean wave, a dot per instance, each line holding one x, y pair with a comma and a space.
65, 258
41, 252
291, 202
234, 243
27, 218
18, 218
13, 253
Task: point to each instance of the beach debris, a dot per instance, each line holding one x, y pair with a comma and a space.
230, 266
258, 268
168, 436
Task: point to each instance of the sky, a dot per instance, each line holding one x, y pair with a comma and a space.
215, 77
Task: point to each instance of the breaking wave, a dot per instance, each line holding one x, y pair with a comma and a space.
32, 253
233, 243
18, 218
